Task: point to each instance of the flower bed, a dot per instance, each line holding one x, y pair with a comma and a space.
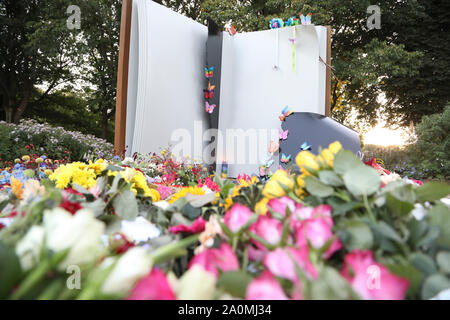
338, 229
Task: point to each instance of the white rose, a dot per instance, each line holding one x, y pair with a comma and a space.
419, 211
140, 229
29, 248
80, 232
132, 266
195, 284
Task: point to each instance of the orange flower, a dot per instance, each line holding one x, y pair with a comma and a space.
16, 187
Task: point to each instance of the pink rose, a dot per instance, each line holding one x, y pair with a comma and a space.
196, 227
152, 287
271, 230
303, 213
317, 232
237, 217
265, 287
372, 280
255, 254
281, 263
213, 260
280, 204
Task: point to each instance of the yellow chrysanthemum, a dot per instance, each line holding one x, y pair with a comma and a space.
185, 191
74, 173
16, 187
98, 166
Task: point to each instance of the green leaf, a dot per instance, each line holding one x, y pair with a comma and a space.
362, 180
330, 286
423, 263
97, 207
443, 261
398, 207
387, 231
358, 235
439, 216
10, 270
191, 212
234, 282
125, 205
433, 285
346, 161
432, 191
317, 188
331, 178
226, 190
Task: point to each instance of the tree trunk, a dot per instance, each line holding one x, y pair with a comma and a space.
9, 114
22, 104
105, 124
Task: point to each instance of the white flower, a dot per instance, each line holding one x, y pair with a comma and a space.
446, 201
443, 295
140, 229
419, 211
81, 233
162, 204
128, 161
132, 266
29, 248
195, 284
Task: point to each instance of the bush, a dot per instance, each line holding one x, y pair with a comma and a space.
432, 150
54, 142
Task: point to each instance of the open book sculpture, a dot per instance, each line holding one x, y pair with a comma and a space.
214, 95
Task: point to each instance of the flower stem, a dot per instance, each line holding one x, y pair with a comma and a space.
172, 249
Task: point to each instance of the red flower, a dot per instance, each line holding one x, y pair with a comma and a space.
1, 226
73, 191
196, 227
373, 163
70, 206
122, 244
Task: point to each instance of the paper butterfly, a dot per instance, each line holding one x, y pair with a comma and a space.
292, 21
209, 72
276, 23
305, 146
360, 155
283, 134
274, 147
231, 30
209, 93
285, 159
267, 162
209, 108
262, 171
285, 113
306, 19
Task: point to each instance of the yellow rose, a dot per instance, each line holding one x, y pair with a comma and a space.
307, 161
299, 189
274, 188
261, 206
48, 172
335, 147
327, 157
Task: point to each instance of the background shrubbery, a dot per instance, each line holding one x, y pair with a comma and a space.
54, 142
428, 157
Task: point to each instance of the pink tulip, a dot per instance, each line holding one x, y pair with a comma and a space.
281, 263
265, 287
213, 260
317, 232
255, 254
280, 204
152, 287
372, 280
237, 217
269, 229
196, 227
